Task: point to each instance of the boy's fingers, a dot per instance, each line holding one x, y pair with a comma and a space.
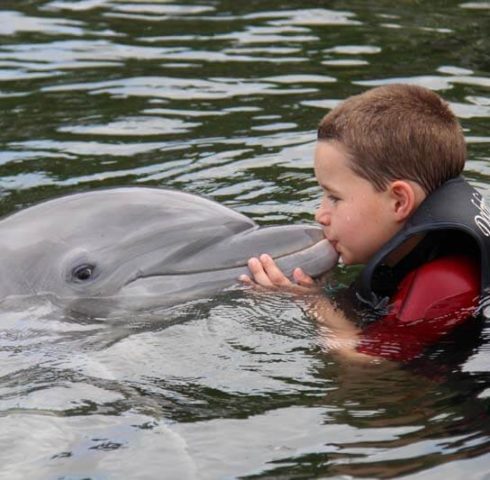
274, 274
302, 279
258, 273
245, 279
266, 273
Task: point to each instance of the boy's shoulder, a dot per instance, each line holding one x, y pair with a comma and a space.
452, 219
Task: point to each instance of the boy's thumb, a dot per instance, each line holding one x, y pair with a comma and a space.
301, 278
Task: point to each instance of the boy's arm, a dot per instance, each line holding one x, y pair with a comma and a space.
338, 334
417, 318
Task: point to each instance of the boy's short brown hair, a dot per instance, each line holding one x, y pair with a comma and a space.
397, 132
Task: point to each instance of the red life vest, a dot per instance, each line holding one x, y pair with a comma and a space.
429, 303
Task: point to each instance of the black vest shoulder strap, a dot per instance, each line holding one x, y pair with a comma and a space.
456, 205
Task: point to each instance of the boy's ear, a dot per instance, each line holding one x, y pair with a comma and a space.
406, 196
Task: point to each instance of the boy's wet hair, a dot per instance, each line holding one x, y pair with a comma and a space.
398, 132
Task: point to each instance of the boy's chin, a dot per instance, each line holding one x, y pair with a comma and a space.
345, 261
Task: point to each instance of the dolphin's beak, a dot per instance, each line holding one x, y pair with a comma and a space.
315, 260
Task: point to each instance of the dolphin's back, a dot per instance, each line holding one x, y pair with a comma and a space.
94, 209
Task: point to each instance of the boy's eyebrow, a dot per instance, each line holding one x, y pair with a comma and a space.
328, 187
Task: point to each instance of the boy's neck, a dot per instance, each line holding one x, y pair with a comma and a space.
403, 250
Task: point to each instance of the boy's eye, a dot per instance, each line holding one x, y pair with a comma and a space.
333, 199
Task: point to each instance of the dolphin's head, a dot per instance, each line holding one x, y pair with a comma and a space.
133, 242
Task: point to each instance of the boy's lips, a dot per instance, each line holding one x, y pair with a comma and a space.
332, 241
334, 244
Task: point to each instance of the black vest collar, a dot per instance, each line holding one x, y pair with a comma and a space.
456, 205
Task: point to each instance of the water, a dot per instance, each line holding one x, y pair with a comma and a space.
222, 98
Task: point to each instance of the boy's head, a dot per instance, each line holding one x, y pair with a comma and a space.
378, 156
398, 132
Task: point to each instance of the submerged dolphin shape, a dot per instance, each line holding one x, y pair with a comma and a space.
143, 247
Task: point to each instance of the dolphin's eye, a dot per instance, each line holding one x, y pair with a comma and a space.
82, 273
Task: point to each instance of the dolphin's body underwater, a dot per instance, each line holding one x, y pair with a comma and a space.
142, 247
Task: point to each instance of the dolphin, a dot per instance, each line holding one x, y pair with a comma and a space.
143, 247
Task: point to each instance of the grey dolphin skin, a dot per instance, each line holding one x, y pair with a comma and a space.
143, 247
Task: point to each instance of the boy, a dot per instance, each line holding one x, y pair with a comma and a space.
389, 164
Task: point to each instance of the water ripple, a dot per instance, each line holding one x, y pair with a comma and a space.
179, 88
12, 22
134, 126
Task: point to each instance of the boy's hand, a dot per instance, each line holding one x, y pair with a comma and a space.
266, 273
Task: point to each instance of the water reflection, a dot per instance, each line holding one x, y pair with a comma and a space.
15, 22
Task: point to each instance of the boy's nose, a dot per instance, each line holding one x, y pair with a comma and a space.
322, 216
